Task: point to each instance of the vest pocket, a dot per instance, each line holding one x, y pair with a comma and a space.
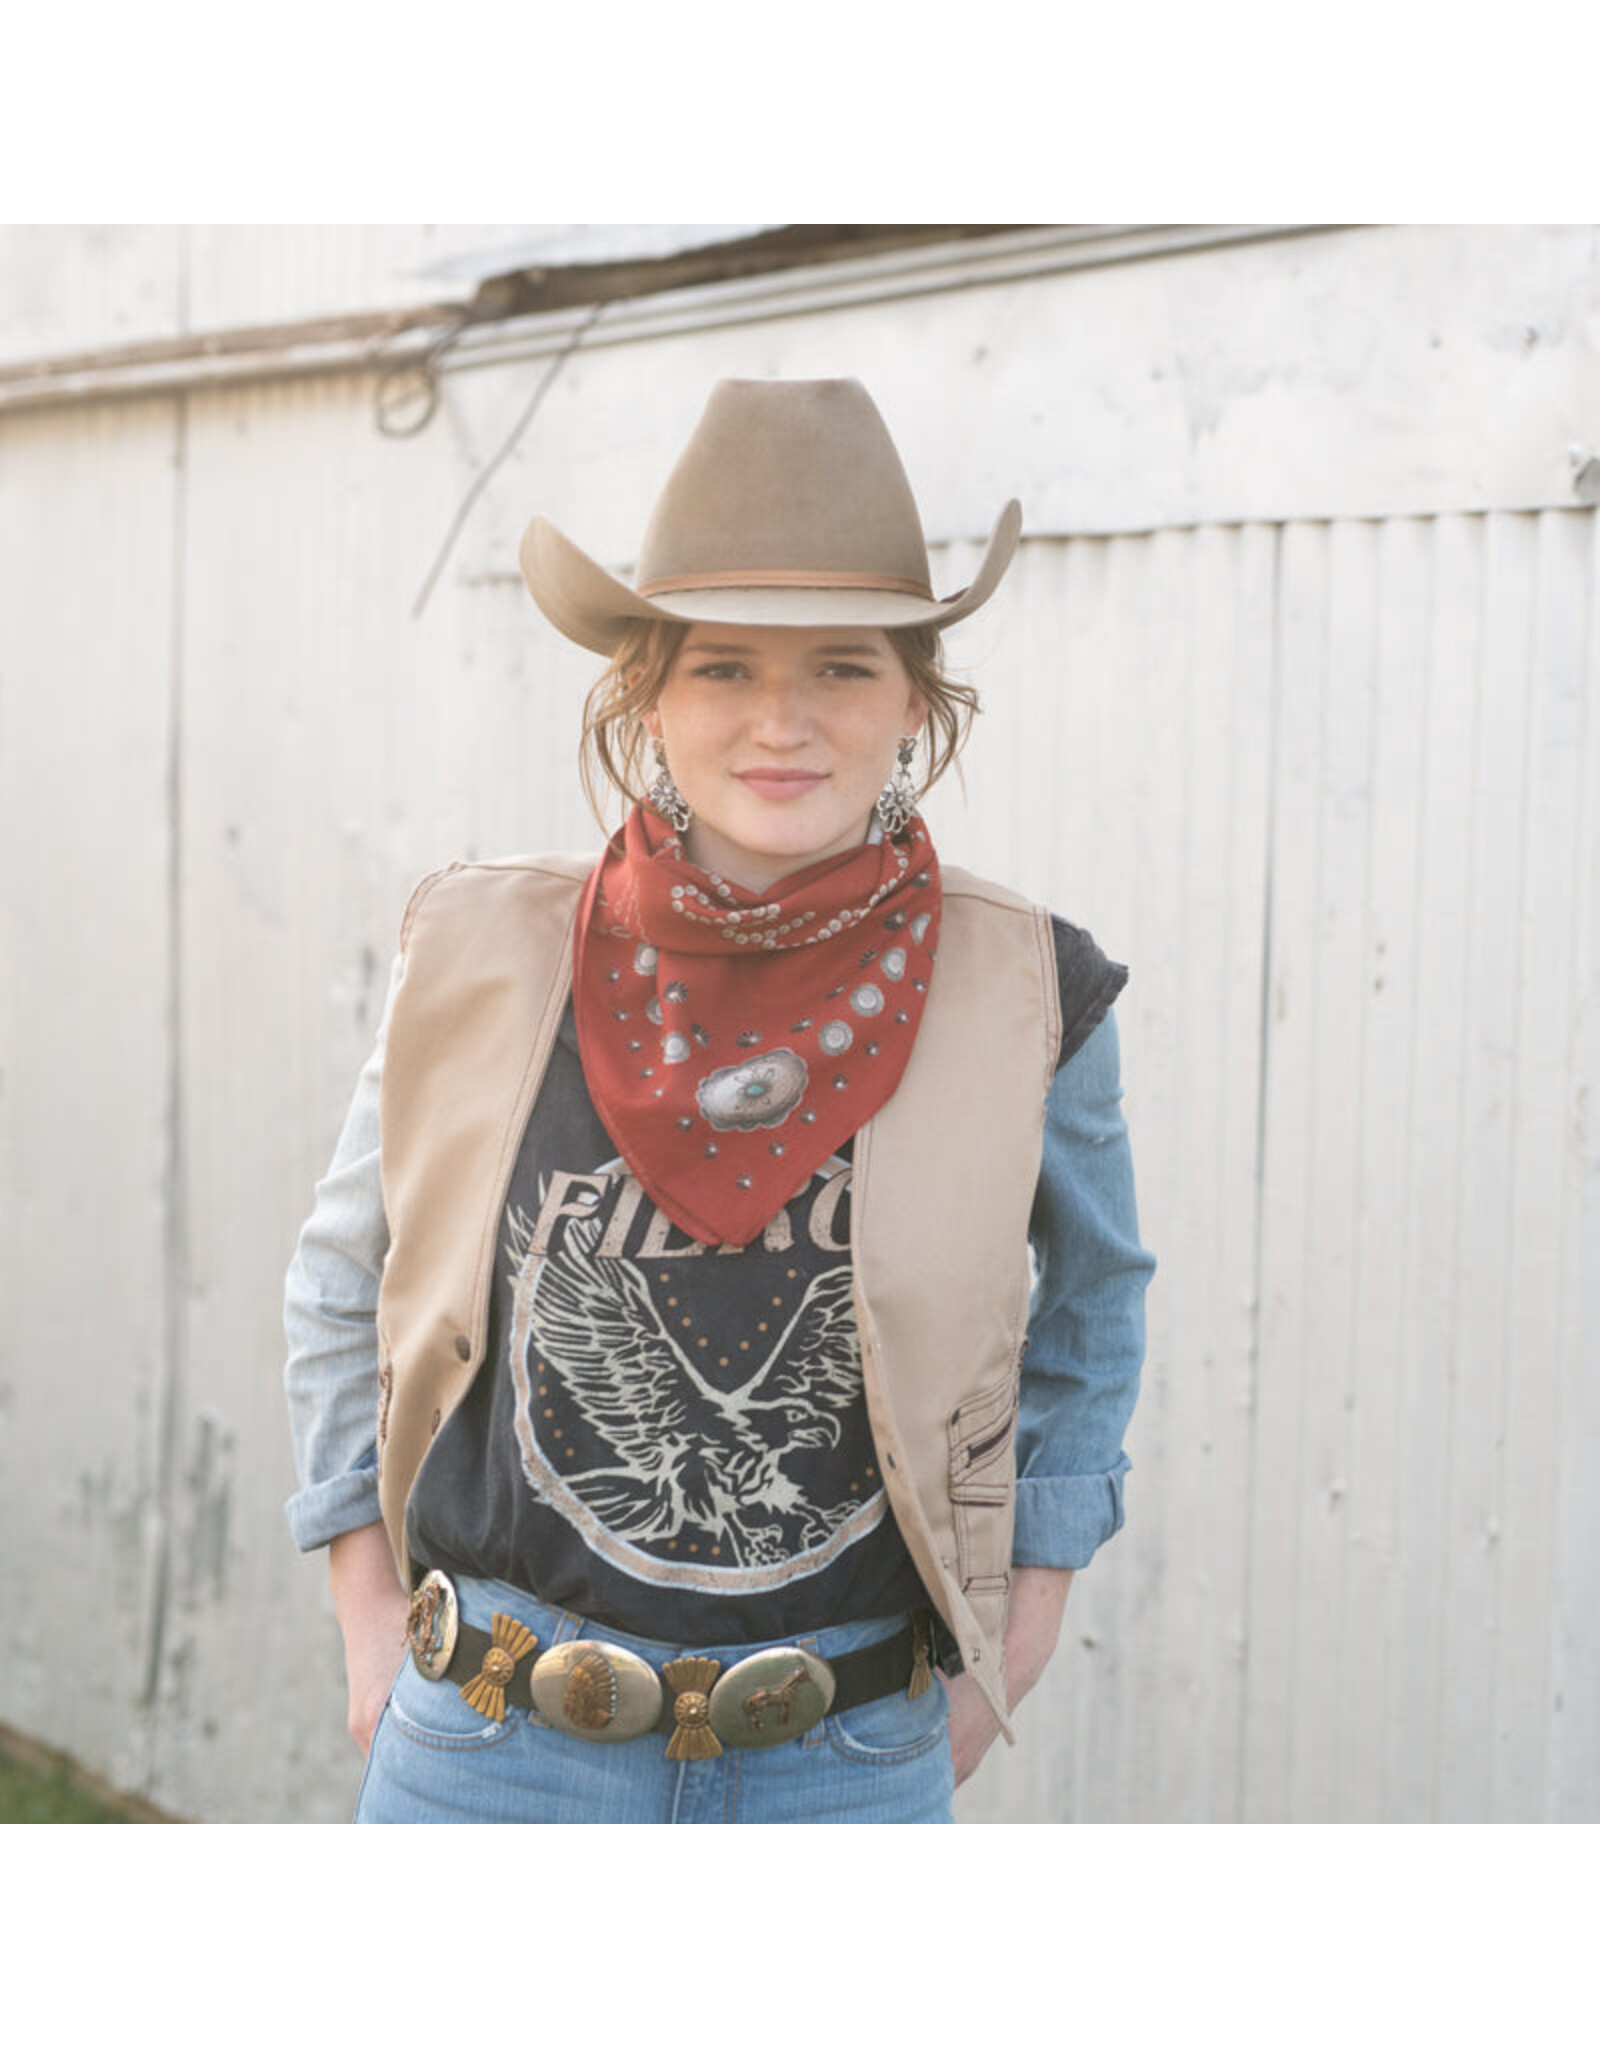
982, 1480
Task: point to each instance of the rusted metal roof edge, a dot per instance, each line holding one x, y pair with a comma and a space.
528, 313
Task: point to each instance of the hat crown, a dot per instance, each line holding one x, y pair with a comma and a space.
786, 481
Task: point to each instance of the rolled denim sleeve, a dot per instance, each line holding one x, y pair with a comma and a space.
1080, 1374
330, 1320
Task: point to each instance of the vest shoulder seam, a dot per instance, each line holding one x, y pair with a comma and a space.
567, 865
962, 882
573, 868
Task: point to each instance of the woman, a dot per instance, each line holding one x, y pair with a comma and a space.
655, 1340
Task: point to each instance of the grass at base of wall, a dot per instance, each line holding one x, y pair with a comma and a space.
30, 1795
41, 1786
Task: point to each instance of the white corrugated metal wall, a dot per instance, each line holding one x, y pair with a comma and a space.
1354, 862
1302, 722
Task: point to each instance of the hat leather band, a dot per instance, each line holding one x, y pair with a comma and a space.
787, 579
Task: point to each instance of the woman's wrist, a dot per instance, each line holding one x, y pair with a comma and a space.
371, 1604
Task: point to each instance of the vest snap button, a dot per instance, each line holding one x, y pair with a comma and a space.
463, 1349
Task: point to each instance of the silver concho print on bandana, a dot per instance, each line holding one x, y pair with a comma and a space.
733, 1041
754, 1096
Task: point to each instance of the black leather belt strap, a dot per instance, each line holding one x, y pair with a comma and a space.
859, 1675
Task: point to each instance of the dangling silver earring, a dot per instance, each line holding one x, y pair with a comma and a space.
666, 799
897, 800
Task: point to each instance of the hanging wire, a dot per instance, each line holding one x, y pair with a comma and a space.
408, 393
480, 481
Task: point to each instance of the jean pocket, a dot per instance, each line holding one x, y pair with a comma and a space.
890, 1730
433, 1713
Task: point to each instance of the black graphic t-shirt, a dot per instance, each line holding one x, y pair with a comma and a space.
667, 1438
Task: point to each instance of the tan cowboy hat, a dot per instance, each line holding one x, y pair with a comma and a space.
789, 507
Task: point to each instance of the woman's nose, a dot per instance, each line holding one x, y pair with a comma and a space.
782, 710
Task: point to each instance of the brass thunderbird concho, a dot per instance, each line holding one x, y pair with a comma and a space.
509, 1643
691, 1679
921, 1654
432, 1622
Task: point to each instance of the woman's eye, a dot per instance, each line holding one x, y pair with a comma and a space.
848, 670
720, 671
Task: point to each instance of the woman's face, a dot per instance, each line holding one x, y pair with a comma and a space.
780, 738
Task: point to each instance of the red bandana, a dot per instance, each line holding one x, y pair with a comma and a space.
731, 1041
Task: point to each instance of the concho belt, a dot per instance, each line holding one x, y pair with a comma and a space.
604, 1693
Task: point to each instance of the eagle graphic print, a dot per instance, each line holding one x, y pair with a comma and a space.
695, 1416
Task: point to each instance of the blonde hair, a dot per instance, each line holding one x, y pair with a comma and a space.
615, 748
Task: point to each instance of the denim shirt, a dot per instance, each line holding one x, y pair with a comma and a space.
1080, 1371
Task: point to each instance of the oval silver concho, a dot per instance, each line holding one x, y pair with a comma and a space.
598, 1691
770, 1697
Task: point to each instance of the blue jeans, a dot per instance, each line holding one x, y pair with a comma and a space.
434, 1758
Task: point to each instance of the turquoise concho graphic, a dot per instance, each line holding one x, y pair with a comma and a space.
754, 1095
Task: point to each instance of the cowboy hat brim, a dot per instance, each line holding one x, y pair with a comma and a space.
592, 607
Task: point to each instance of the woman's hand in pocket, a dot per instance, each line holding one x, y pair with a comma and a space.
371, 1605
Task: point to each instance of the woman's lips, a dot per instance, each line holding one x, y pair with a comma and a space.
781, 782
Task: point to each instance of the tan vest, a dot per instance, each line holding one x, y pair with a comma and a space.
943, 1182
